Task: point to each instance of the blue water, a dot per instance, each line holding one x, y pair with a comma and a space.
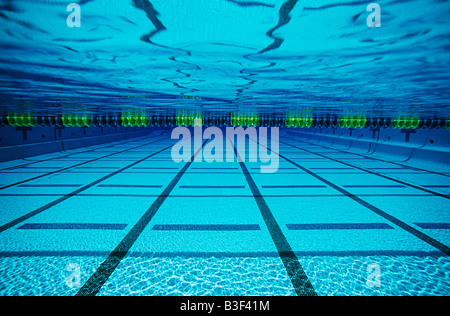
215, 240
332, 213
263, 56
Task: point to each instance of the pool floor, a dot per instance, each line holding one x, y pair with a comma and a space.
124, 219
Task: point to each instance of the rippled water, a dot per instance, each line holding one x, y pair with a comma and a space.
225, 55
241, 276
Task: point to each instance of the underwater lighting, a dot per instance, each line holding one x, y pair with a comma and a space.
193, 118
406, 123
20, 120
352, 120
188, 118
76, 121
239, 119
300, 118
135, 121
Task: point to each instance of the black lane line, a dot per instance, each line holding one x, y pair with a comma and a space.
64, 156
101, 167
156, 168
293, 186
381, 186
212, 168
49, 185
294, 269
433, 225
337, 168
216, 195
378, 159
431, 241
273, 168
129, 186
70, 167
212, 187
445, 196
41, 167
435, 186
104, 271
198, 227
98, 226
339, 226
69, 195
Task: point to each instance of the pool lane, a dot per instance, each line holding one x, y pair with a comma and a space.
102, 274
390, 165
28, 215
372, 172
95, 159
405, 226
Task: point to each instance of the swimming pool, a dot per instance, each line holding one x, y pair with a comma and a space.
348, 194
155, 227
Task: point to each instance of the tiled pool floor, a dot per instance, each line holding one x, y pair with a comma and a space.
136, 223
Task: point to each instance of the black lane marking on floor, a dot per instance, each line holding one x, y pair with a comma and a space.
388, 168
446, 196
128, 186
324, 226
378, 159
212, 168
40, 167
104, 271
436, 186
71, 167
200, 227
431, 241
69, 195
212, 187
100, 167
337, 168
156, 168
99, 226
49, 185
294, 269
272, 168
114, 159
293, 186
218, 195
372, 186
433, 225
